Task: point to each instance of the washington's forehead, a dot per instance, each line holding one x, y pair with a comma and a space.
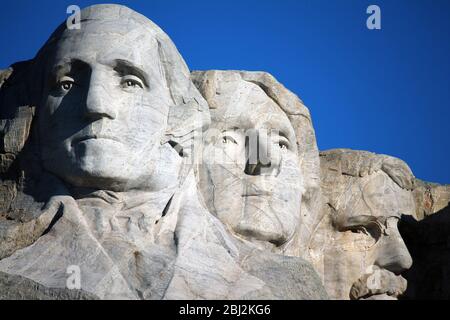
112, 12
97, 48
121, 32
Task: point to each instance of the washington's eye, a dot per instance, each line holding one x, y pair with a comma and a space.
131, 82
228, 140
66, 83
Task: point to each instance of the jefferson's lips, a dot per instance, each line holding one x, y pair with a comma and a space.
257, 193
95, 137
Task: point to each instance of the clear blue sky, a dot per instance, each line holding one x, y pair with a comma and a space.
385, 91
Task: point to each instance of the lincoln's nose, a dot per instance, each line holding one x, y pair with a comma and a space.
393, 255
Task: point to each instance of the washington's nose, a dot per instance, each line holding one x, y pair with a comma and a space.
393, 255
98, 102
260, 159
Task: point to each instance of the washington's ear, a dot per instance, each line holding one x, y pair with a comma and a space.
185, 127
206, 83
4, 75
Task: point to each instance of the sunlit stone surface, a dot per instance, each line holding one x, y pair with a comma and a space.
125, 176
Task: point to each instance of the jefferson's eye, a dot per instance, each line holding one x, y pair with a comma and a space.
132, 82
283, 143
228, 140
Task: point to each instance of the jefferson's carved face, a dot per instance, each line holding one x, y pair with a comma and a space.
368, 252
257, 195
105, 108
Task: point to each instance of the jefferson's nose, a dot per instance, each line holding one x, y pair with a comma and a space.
99, 103
393, 255
261, 160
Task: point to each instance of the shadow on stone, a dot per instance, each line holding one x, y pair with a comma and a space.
428, 241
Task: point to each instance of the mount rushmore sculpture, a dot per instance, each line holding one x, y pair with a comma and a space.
157, 183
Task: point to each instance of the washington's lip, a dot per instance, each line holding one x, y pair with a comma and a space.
95, 137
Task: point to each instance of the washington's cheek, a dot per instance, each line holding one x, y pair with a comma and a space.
139, 125
50, 123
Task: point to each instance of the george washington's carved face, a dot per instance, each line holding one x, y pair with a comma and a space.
105, 108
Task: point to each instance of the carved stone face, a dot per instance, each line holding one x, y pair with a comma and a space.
367, 253
105, 108
250, 177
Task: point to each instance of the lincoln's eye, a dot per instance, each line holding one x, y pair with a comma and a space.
373, 229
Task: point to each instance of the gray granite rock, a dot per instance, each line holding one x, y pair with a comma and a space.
97, 175
358, 249
157, 183
21, 288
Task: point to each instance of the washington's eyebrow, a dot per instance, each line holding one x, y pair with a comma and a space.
69, 66
124, 67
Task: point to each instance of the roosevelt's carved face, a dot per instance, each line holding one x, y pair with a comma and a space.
105, 108
368, 253
251, 176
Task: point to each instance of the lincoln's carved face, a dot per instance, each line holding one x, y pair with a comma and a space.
368, 252
251, 176
105, 108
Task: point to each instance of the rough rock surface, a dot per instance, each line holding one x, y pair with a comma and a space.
276, 199
353, 257
99, 171
428, 240
111, 189
20, 288
358, 249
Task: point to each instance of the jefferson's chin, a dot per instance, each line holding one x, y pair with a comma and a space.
265, 225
